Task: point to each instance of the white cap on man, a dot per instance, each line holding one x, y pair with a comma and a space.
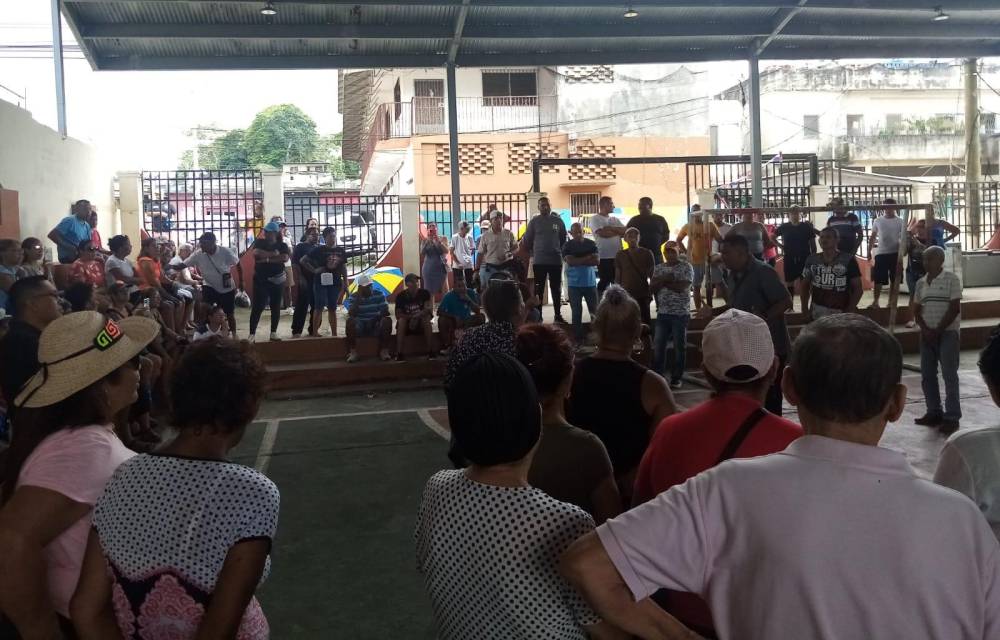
363, 280
736, 347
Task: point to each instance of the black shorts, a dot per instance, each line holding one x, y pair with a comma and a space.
885, 268
225, 300
793, 267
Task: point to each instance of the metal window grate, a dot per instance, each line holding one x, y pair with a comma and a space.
437, 209
366, 225
182, 205
582, 204
952, 200
870, 195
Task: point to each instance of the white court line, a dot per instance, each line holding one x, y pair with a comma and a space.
352, 414
432, 424
266, 446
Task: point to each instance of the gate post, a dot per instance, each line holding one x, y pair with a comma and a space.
274, 196
131, 218
409, 232
532, 198
819, 195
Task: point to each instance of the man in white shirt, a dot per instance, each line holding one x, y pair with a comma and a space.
883, 249
937, 309
608, 231
496, 246
215, 264
833, 538
462, 247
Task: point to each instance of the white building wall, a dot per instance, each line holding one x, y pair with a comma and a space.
49, 173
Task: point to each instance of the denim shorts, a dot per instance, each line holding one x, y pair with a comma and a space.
325, 296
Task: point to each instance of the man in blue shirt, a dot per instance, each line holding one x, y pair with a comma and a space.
581, 257
459, 309
71, 231
368, 317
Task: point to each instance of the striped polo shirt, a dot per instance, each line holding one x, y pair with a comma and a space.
935, 296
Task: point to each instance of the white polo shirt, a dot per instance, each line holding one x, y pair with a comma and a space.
936, 296
827, 540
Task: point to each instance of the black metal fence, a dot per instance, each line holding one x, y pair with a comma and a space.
784, 179
366, 225
870, 195
437, 209
182, 205
953, 204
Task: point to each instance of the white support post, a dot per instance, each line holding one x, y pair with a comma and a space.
819, 196
757, 199
455, 165
130, 207
409, 231
274, 195
57, 62
533, 197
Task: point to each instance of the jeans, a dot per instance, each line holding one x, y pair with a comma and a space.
554, 274
303, 305
265, 292
946, 352
605, 275
576, 297
485, 273
911, 281
670, 326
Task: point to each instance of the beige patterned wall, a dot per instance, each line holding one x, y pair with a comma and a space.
473, 159
520, 155
593, 171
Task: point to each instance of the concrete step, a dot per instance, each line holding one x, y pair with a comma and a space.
340, 373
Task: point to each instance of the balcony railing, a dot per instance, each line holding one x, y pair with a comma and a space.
486, 114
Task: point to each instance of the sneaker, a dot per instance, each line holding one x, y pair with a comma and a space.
948, 427
275, 337
929, 420
384, 355
676, 384
353, 357
296, 336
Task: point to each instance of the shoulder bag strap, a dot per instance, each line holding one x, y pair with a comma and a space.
741, 434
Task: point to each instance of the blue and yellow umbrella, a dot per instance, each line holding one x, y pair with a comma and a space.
384, 279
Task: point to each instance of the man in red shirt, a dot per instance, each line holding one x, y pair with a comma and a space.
738, 361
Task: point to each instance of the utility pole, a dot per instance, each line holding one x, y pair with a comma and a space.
973, 154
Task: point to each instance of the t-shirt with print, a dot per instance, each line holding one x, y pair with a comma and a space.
453, 305
166, 525
849, 229
215, 268
412, 303
582, 277
545, 235
489, 556
607, 248
830, 282
799, 239
76, 463
890, 231
668, 301
697, 243
269, 269
935, 296
329, 260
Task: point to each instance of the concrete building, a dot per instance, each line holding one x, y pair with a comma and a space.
395, 125
896, 118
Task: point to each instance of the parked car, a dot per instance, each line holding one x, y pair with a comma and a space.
354, 233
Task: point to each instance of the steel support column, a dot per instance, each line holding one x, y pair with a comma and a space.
757, 199
57, 62
456, 184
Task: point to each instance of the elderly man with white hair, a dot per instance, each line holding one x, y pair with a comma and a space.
938, 312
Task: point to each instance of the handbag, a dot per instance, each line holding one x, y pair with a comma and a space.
278, 279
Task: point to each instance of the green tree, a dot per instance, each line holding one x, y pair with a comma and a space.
229, 151
331, 151
279, 134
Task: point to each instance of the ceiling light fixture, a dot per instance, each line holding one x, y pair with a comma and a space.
941, 15
630, 13
269, 9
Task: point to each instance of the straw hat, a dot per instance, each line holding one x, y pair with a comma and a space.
78, 349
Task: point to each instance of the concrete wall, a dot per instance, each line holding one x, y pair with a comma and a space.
49, 173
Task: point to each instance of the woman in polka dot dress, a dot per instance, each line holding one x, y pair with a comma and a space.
182, 538
488, 543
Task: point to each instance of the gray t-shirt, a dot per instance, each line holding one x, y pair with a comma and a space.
753, 232
890, 231
213, 268
755, 290
545, 237
123, 265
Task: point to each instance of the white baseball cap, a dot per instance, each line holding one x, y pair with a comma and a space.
363, 280
496, 214
737, 339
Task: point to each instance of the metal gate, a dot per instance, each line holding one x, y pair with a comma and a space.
582, 204
182, 205
366, 225
952, 198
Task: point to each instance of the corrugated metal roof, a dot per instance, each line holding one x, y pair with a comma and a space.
171, 34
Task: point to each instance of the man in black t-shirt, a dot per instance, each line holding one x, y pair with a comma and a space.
303, 281
653, 228
327, 264
848, 228
414, 310
797, 240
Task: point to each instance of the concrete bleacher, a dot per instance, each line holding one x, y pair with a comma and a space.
321, 362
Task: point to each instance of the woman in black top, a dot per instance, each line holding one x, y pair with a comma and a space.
616, 398
269, 254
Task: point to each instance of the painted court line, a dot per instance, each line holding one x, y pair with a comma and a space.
266, 446
352, 414
432, 424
